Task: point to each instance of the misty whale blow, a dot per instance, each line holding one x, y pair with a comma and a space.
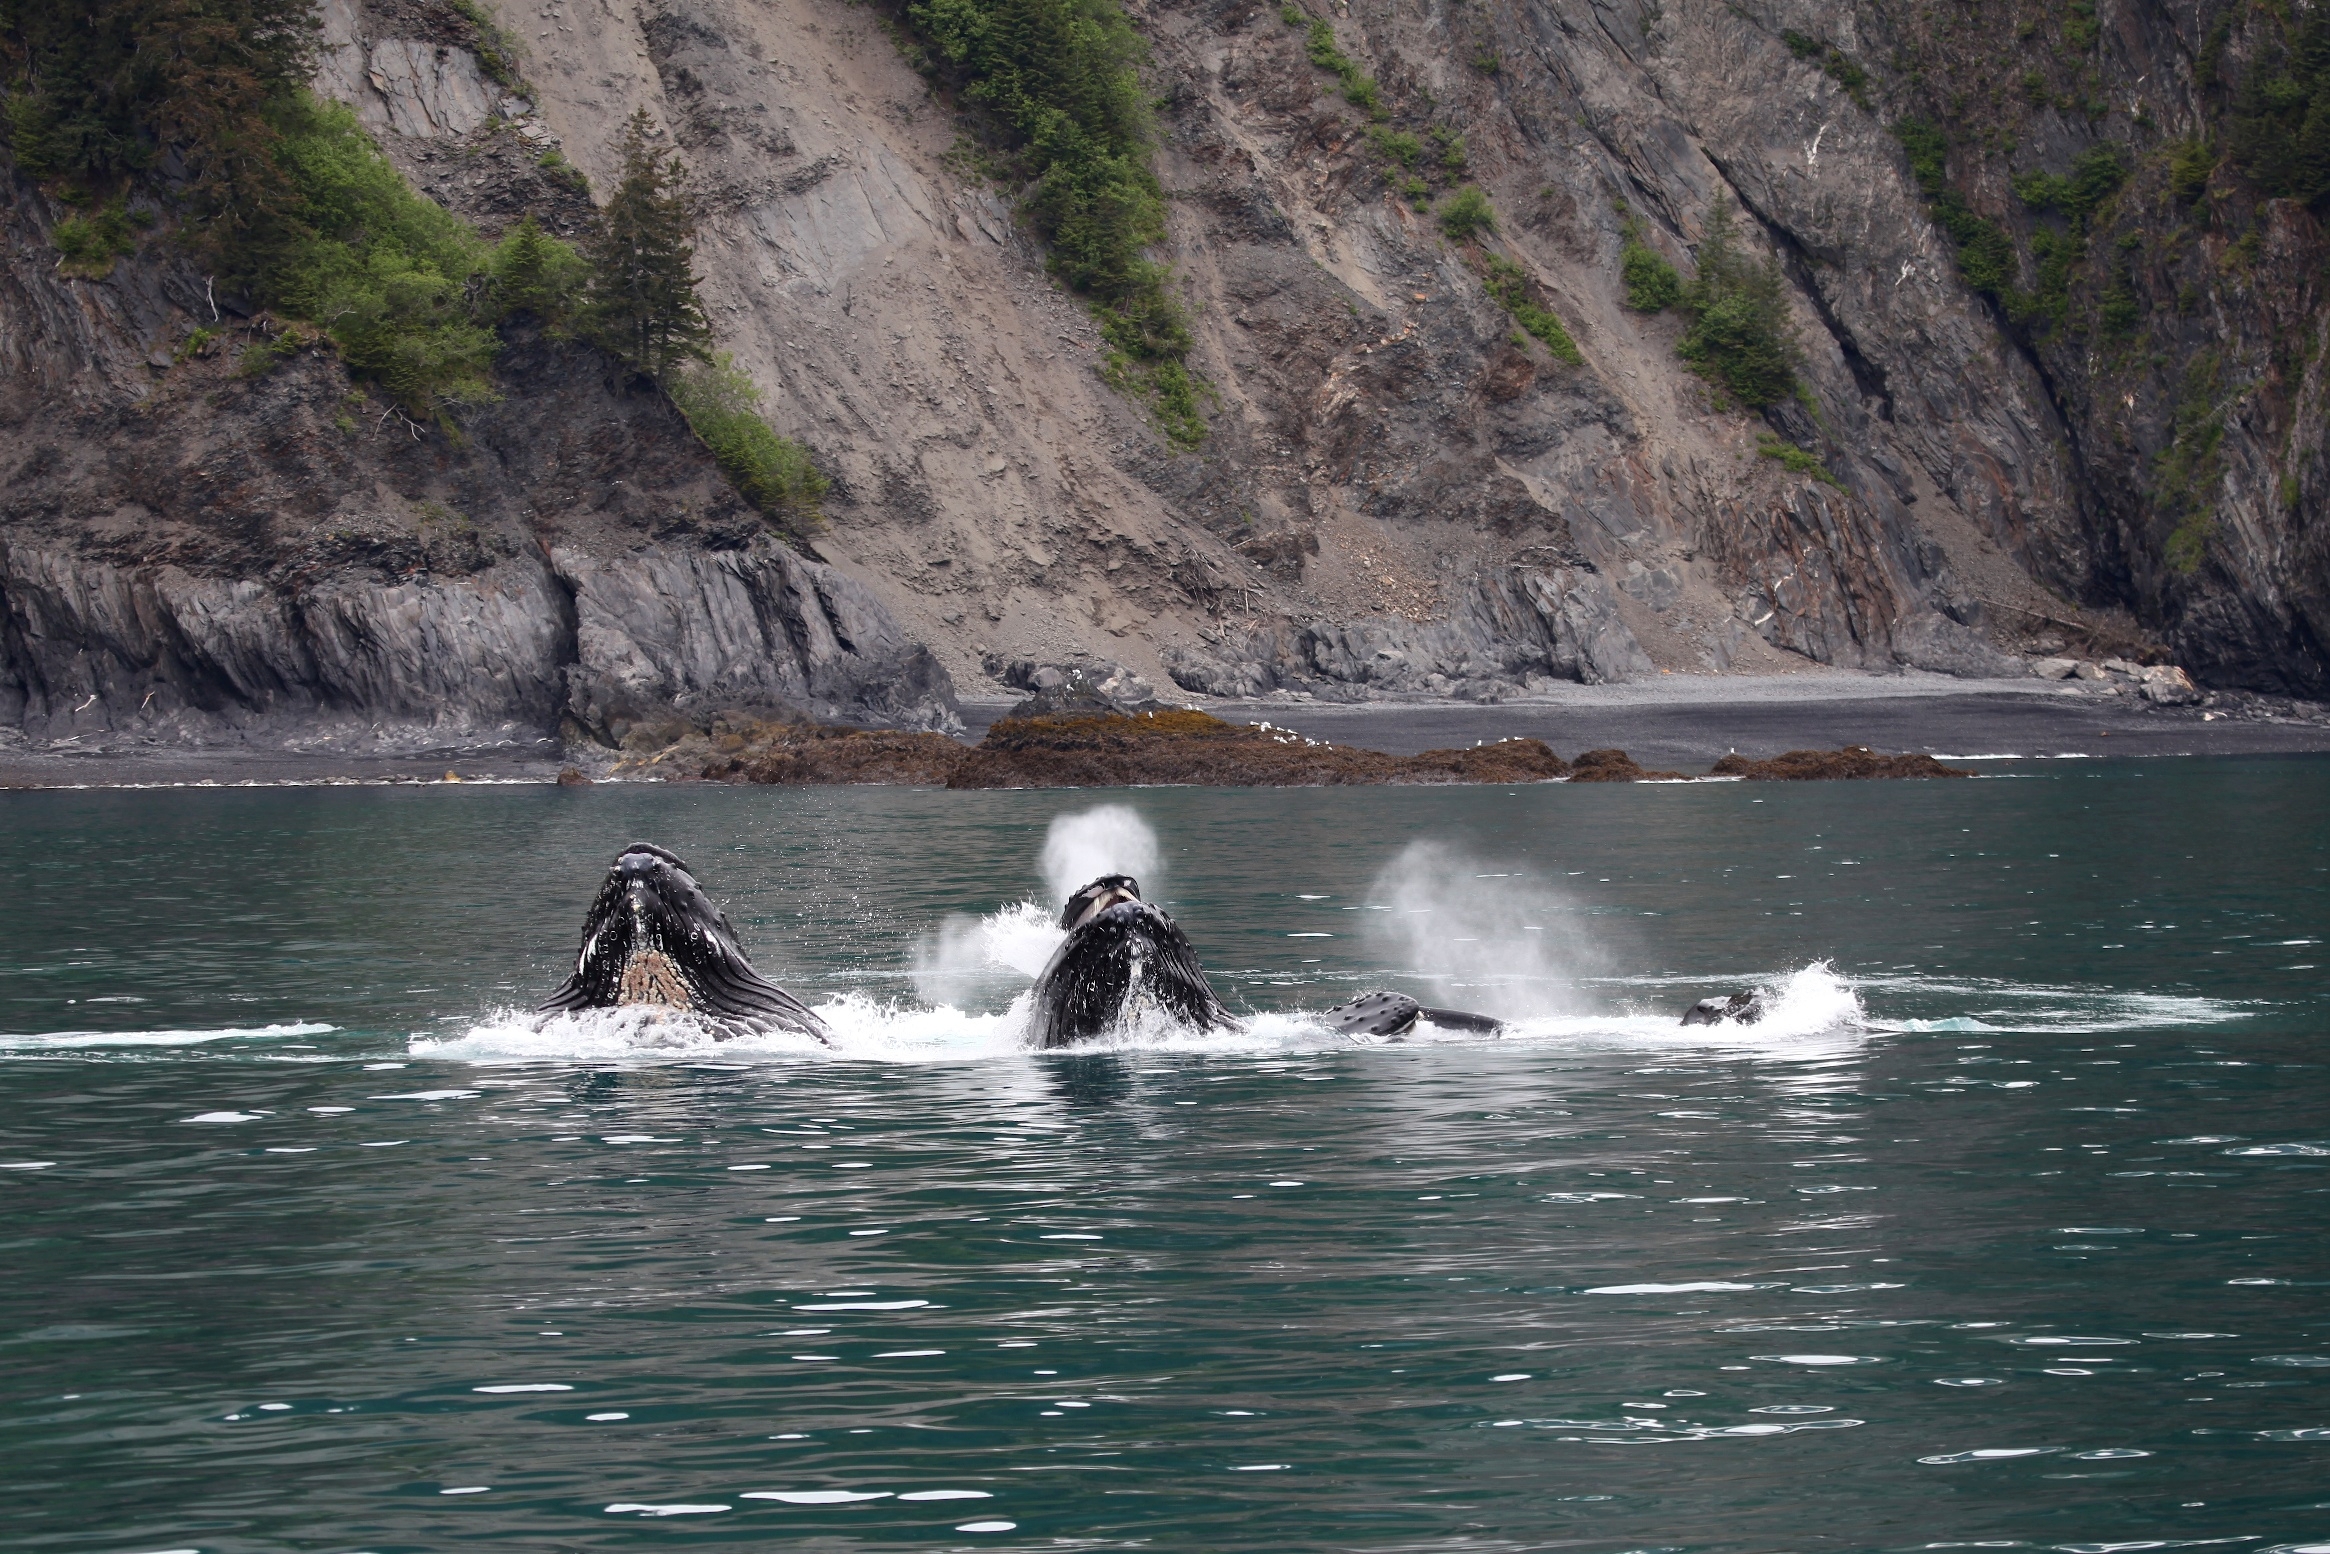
652, 938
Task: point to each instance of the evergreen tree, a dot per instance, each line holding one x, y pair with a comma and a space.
643, 305
1740, 338
535, 273
96, 93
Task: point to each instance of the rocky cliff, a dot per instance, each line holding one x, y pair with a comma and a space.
1401, 492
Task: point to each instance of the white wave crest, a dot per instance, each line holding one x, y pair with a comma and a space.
68, 1040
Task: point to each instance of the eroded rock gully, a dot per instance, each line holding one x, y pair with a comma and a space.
1400, 495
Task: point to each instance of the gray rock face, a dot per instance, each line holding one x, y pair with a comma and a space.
1513, 627
98, 654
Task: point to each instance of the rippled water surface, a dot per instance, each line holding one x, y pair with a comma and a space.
2006, 1229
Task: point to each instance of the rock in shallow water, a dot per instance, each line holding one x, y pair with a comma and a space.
1853, 761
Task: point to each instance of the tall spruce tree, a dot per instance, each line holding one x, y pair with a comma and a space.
643, 285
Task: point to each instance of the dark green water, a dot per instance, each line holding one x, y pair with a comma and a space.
2007, 1230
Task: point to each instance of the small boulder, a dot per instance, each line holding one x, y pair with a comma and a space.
572, 777
2054, 668
2166, 685
2126, 666
2087, 671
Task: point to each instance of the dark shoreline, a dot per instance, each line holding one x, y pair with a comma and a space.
1684, 725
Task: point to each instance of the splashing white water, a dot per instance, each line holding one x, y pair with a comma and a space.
968, 961
1500, 943
1812, 1013
1110, 839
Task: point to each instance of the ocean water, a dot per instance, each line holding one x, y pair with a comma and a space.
2005, 1230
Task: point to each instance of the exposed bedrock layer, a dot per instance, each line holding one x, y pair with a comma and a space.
192, 555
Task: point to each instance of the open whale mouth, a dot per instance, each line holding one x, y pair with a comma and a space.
653, 939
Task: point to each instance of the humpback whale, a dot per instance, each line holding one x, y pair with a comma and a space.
653, 938
1121, 950
1740, 1008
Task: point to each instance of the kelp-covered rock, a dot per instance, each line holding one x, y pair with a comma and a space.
1853, 761
1615, 766
1078, 749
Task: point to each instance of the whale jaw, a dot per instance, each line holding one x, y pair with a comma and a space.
653, 939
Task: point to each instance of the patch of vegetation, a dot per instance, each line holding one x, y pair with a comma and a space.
1510, 285
1467, 214
532, 272
554, 162
1453, 157
1652, 284
1834, 61
2094, 177
1739, 338
774, 473
2186, 470
1488, 62
1396, 145
1057, 83
1359, 88
1794, 459
2278, 123
496, 50
194, 345
88, 245
2080, 28
1985, 257
2189, 167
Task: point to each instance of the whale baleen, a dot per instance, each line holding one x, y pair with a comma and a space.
652, 938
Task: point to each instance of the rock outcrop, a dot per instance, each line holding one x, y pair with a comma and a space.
1853, 762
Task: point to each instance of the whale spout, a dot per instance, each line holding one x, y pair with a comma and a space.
652, 938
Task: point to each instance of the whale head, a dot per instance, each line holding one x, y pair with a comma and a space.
652, 937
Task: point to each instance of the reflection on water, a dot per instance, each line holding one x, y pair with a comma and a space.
2005, 1228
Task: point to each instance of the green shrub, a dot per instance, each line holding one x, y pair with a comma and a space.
774, 473
89, 244
1453, 158
1509, 284
554, 163
2189, 168
1985, 256
1832, 60
535, 273
1652, 284
387, 274
1359, 88
1467, 214
1796, 460
1397, 145
1059, 85
2094, 177
1739, 337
